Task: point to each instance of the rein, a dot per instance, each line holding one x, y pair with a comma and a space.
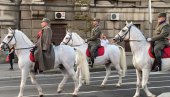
121, 38
13, 36
71, 39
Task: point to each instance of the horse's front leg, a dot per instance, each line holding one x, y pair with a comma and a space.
138, 84
34, 81
145, 77
24, 76
108, 71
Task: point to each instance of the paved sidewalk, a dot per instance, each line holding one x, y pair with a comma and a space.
16, 73
6, 73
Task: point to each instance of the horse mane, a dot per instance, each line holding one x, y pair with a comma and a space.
25, 38
78, 37
137, 29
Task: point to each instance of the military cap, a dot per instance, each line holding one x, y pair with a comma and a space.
162, 15
95, 19
46, 20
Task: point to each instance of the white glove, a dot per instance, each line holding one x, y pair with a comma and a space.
85, 40
149, 39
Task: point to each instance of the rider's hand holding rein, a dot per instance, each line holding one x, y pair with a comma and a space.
149, 39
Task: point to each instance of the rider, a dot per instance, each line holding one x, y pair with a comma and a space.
43, 44
160, 41
94, 40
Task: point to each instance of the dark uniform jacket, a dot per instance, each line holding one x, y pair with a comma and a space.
95, 37
162, 31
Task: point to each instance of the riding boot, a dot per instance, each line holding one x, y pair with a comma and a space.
157, 65
92, 61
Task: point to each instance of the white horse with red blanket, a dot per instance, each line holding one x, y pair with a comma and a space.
142, 60
110, 54
64, 55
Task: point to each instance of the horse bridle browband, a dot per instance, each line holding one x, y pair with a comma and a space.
13, 36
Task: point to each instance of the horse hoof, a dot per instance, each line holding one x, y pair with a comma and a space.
102, 86
118, 85
41, 95
74, 95
59, 91
152, 96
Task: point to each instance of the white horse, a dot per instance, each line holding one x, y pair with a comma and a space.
113, 55
64, 55
141, 59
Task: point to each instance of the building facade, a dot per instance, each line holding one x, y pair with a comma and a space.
26, 15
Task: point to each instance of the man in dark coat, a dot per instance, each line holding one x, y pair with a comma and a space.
94, 40
160, 41
44, 54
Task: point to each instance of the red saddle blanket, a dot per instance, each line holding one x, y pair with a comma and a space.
32, 58
166, 52
100, 51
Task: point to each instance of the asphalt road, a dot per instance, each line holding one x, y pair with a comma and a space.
158, 83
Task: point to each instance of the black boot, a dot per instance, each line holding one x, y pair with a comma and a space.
92, 62
157, 65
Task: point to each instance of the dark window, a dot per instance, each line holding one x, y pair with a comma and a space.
59, 32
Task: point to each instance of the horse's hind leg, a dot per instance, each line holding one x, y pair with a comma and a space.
120, 72
138, 84
34, 81
24, 76
72, 73
79, 76
145, 77
65, 78
108, 71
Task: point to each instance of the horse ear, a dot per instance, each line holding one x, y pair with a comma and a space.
9, 29
126, 22
131, 22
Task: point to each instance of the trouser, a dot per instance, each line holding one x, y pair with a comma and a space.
158, 54
11, 63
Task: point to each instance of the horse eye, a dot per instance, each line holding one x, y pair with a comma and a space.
123, 30
9, 37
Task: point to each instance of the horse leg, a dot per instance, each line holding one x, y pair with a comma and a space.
145, 77
65, 78
34, 81
138, 85
79, 76
24, 76
120, 72
72, 73
108, 71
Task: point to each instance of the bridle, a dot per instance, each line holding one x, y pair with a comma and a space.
71, 39
121, 38
7, 44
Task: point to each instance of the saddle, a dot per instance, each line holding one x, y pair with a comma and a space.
165, 52
99, 52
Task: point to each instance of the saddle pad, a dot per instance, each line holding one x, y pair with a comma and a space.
32, 58
100, 51
165, 53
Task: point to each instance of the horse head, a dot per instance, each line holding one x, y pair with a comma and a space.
67, 39
9, 41
72, 39
124, 33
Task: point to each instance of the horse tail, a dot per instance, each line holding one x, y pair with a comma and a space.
84, 67
123, 60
